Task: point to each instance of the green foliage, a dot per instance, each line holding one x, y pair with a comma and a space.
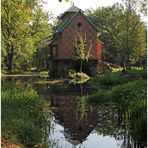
125, 93
77, 77
99, 97
105, 18
132, 43
44, 74
122, 32
25, 28
131, 98
82, 51
116, 78
82, 107
24, 115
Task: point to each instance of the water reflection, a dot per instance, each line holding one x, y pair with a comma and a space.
75, 123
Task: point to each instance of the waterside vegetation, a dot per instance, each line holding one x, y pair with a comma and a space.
129, 92
25, 117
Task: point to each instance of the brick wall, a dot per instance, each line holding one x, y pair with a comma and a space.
66, 39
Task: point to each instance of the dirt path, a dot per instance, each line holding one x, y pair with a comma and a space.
8, 144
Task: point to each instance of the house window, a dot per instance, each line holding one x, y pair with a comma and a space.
79, 24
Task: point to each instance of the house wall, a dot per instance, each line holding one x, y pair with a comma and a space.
99, 47
60, 68
66, 39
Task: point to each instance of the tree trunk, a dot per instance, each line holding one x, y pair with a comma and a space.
81, 66
10, 58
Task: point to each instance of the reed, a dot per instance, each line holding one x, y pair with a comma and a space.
24, 116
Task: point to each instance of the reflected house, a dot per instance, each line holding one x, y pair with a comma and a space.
77, 129
62, 50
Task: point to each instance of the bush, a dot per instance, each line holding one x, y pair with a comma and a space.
44, 74
77, 77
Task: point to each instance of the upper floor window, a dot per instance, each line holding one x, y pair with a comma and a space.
79, 24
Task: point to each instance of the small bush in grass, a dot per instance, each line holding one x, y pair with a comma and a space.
77, 77
44, 74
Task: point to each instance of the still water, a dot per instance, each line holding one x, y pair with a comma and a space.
74, 122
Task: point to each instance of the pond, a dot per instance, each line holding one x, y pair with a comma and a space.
74, 122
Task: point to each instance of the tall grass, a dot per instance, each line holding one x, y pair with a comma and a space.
24, 116
131, 98
116, 78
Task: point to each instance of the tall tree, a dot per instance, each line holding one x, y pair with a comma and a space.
14, 30
131, 38
122, 32
106, 20
19, 37
41, 32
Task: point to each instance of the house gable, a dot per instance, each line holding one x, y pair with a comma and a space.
68, 32
68, 21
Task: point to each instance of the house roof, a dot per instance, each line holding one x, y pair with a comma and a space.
67, 22
72, 9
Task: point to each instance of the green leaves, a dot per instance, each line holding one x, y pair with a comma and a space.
25, 27
82, 51
122, 32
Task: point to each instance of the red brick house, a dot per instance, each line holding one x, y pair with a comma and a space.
62, 50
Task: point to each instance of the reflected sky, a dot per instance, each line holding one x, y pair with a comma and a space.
96, 130
59, 136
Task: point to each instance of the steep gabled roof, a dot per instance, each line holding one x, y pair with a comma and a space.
72, 9
67, 22
77, 11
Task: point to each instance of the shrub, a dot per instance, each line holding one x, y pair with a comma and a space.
77, 77
44, 74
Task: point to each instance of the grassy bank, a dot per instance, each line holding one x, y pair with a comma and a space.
24, 116
119, 77
129, 92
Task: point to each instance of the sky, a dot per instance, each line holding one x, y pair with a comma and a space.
57, 7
